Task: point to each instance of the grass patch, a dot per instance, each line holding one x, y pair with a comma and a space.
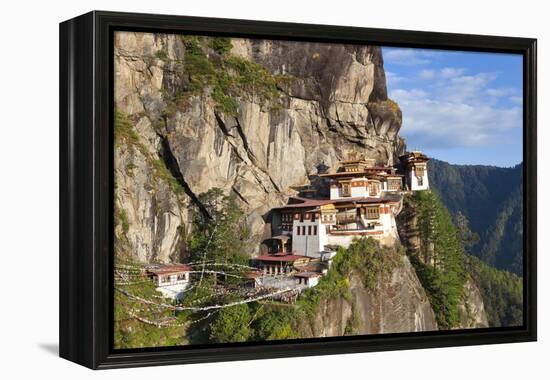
122, 219
392, 105
124, 130
163, 172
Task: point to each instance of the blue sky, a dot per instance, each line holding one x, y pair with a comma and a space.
460, 107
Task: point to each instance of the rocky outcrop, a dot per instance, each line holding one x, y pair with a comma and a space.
409, 231
397, 305
471, 307
335, 101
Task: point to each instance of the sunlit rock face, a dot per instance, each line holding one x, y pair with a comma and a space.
335, 101
399, 304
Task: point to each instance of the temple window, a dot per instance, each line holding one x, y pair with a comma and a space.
373, 212
373, 189
394, 184
314, 230
346, 190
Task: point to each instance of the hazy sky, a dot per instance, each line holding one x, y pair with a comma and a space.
460, 107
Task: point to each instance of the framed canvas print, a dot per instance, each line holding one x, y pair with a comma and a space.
238, 190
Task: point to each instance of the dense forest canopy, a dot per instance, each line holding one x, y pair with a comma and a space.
502, 293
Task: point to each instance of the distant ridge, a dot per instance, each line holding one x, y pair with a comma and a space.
491, 198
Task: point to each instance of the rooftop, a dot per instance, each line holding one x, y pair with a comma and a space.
307, 274
373, 170
165, 269
414, 156
312, 203
313, 266
280, 257
253, 274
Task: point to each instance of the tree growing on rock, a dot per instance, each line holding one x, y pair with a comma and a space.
220, 233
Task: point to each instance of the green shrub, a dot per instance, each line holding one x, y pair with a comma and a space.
164, 173
231, 325
221, 45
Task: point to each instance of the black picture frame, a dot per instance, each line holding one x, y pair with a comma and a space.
86, 189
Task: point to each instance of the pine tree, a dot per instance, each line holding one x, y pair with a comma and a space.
441, 266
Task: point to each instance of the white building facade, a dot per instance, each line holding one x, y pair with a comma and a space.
416, 167
364, 201
309, 235
170, 279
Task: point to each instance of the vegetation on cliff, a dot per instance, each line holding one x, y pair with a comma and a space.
253, 321
440, 263
364, 258
444, 262
220, 232
271, 320
125, 134
208, 63
131, 332
502, 293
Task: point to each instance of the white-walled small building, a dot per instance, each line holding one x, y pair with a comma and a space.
170, 279
308, 279
416, 168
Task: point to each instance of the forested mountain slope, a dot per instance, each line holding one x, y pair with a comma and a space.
491, 199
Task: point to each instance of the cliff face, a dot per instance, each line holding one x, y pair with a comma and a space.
398, 305
471, 307
335, 100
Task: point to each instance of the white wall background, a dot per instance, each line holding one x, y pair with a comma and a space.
29, 186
